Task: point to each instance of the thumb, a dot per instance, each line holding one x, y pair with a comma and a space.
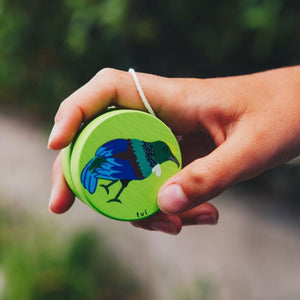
207, 177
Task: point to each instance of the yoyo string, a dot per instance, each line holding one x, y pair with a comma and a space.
141, 92
144, 99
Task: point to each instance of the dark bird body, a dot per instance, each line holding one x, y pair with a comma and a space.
124, 160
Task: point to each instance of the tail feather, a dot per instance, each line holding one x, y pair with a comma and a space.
89, 178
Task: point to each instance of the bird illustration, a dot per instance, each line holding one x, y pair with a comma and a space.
125, 160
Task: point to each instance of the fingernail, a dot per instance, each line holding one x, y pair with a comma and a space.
172, 199
207, 220
166, 227
52, 135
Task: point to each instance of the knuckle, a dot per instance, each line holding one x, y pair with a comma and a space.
59, 113
69, 107
216, 176
108, 78
107, 73
64, 106
207, 180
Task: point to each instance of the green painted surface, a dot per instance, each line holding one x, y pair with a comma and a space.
119, 182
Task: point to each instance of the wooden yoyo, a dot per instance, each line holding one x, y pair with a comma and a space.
118, 162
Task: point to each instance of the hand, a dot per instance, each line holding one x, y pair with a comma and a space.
233, 128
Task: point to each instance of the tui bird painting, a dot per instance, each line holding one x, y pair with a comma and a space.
125, 160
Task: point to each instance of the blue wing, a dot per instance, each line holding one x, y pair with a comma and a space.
88, 177
111, 148
105, 166
116, 169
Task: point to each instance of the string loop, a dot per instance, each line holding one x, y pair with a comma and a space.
140, 91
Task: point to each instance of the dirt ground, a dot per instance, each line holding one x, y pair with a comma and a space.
246, 256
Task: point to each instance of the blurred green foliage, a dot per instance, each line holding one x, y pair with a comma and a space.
49, 50
37, 264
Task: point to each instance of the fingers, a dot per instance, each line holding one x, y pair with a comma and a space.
82, 105
204, 214
61, 198
172, 224
160, 222
235, 160
111, 87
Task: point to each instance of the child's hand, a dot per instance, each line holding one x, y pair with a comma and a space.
233, 129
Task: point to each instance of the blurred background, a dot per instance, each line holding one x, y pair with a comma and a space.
48, 50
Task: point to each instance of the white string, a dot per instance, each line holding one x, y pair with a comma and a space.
144, 99
140, 90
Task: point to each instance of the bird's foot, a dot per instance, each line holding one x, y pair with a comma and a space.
114, 200
106, 188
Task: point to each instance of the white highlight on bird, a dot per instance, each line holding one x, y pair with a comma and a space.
157, 170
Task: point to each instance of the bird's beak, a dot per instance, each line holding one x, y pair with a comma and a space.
175, 160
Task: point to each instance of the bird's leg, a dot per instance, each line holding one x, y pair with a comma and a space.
124, 185
108, 185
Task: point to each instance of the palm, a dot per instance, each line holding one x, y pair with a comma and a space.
194, 146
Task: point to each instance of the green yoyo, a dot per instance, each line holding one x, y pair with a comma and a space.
118, 162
